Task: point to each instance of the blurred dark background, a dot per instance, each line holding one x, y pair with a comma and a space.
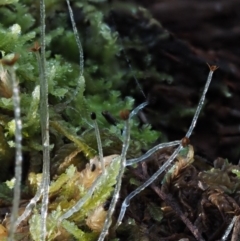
191, 33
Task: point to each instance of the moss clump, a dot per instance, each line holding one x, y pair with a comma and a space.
71, 99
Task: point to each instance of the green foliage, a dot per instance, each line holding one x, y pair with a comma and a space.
71, 100
5, 152
5, 2
6, 193
105, 187
68, 186
155, 212
237, 172
62, 179
35, 226
89, 152
12, 40
77, 233
32, 117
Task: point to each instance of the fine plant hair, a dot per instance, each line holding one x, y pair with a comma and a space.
81, 57
44, 126
173, 156
126, 135
126, 141
128, 60
229, 228
18, 152
43, 189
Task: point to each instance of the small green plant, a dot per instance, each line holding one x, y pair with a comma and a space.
45, 101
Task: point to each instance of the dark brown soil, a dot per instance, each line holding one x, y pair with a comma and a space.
192, 34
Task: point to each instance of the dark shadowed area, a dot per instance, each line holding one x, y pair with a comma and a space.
192, 33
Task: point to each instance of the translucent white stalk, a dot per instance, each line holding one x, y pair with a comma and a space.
44, 126
117, 189
169, 161
18, 154
83, 200
81, 80
137, 109
236, 229
151, 152
30, 206
80, 49
100, 180
39, 192
229, 229
114, 200
201, 101
126, 202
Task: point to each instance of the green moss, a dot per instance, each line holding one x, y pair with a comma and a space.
98, 90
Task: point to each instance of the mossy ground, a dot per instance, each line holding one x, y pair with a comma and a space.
204, 193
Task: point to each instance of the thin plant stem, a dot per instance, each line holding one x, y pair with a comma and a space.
117, 189
85, 198
112, 206
201, 101
229, 229
151, 151
137, 109
39, 192
30, 206
236, 230
80, 49
44, 126
81, 80
126, 202
18, 154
